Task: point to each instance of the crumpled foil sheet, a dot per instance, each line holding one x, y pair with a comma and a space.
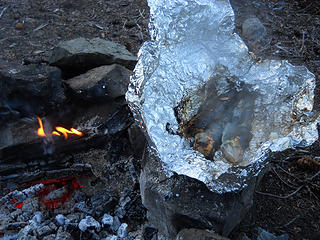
191, 41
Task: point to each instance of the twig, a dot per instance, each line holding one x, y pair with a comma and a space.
303, 37
290, 222
141, 13
2, 11
282, 179
124, 24
290, 174
282, 197
314, 176
40, 27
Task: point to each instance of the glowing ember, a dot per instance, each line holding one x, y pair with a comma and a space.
59, 129
19, 205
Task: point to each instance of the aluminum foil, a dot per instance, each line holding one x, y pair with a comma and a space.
193, 42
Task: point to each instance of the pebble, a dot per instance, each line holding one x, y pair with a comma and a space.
19, 26
89, 222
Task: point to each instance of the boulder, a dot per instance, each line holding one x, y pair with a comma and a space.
77, 56
103, 83
28, 90
178, 202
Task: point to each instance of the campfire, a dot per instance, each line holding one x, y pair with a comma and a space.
59, 130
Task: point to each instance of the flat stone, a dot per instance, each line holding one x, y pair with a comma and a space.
102, 83
79, 55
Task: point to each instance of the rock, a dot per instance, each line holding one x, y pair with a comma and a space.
264, 235
63, 235
136, 136
79, 55
107, 220
122, 231
89, 222
62, 220
199, 234
253, 29
179, 202
19, 26
102, 83
44, 230
28, 90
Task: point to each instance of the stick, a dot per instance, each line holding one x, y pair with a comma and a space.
282, 179
302, 45
282, 197
2, 11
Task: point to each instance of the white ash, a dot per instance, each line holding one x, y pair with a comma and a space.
21, 195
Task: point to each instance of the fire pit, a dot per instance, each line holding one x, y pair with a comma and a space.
213, 113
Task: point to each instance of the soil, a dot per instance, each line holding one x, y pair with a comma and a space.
287, 200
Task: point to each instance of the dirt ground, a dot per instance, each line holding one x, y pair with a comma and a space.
287, 200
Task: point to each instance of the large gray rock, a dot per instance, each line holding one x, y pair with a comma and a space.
28, 90
179, 202
79, 55
102, 83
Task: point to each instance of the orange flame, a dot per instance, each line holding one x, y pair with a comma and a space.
60, 129
40, 131
66, 131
